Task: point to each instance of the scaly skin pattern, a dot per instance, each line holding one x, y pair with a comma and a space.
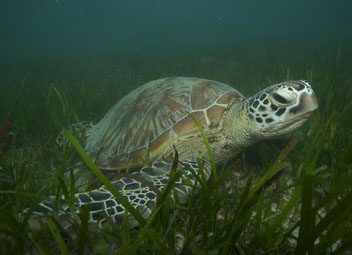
80, 131
140, 189
160, 116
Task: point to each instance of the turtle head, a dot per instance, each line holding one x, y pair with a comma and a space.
280, 108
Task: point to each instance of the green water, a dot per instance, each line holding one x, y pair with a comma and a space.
64, 62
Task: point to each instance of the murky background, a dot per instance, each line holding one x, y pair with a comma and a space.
66, 61
74, 28
63, 61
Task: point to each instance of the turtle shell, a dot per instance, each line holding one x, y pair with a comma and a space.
152, 118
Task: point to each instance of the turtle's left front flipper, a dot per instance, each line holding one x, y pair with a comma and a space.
140, 189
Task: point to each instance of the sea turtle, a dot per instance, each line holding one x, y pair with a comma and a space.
160, 117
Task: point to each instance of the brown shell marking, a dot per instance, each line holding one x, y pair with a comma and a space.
215, 114
203, 95
187, 125
150, 118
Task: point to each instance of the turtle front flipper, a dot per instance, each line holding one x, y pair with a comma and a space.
140, 189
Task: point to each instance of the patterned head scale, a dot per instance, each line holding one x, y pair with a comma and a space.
281, 108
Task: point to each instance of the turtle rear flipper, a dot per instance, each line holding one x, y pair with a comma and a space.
80, 130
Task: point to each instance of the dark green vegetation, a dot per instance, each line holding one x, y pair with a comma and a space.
289, 196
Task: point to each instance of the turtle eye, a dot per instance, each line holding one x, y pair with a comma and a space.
279, 99
284, 98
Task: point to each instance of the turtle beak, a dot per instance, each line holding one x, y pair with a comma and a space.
312, 102
307, 104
